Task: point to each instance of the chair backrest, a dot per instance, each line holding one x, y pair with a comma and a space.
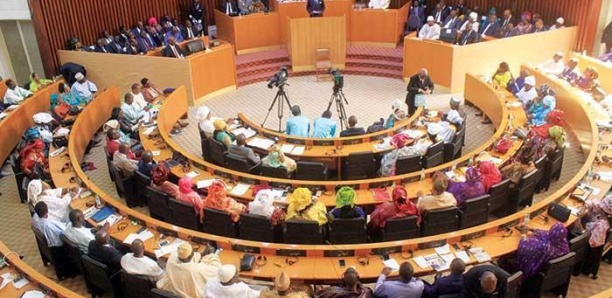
302, 232
408, 164
322, 54
434, 156
183, 215
218, 222
159, 204
195, 46
256, 228
439, 221
237, 163
499, 196
97, 274
43, 247
217, 152
136, 285
73, 253
159, 293
118, 177
347, 230
526, 188
280, 172
205, 144
557, 160
578, 245
142, 182
557, 272
514, 285
310, 170
474, 212
359, 165
401, 228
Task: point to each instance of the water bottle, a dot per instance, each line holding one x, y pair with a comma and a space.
422, 174
454, 167
527, 218
98, 202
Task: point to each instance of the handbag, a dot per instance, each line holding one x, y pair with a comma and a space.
502, 146
247, 262
381, 194
59, 142
420, 100
559, 211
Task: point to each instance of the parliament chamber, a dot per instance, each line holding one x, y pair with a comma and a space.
295, 148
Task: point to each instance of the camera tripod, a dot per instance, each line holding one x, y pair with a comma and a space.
340, 99
281, 97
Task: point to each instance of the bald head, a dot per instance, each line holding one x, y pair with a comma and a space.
352, 121
147, 156
138, 248
488, 282
102, 237
76, 218
240, 140
423, 73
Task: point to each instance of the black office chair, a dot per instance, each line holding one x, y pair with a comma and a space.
19, 177
73, 254
99, 278
218, 222
474, 212
205, 144
117, 178
109, 161
347, 230
310, 170
578, 245
256, 228
159, 293
51, 255
217, 152
453, 149
136, 285
514, 285
434, 156
525, 190
183, 215
360, 165
141, 183
195, 46
408, 164
555, 277
302, 232
159, 204
280, 172
498, 203
401, 228
556, 164
540, 166
241, 164
439, 221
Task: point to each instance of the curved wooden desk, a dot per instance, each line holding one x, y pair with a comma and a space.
604, 69
315, 266
488, 99
37, 280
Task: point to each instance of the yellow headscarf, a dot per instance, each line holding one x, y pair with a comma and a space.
300, 199
219, 124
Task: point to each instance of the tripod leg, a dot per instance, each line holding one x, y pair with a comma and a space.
269, 110
280, 111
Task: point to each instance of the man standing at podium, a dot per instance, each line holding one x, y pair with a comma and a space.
315, 8
419, 83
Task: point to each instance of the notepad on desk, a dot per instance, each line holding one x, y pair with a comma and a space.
247, 132
240, 189
480, 254
287, 148
391, 263
156, 152
166, 249
205, 183
260, 143
298, 150
57, 152
144, 236
192, 174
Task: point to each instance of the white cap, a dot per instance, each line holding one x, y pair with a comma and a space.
560, 54
397, 104
79, 76
473, 15
42, 118
560, 20
455, 100
530, 80
227, 272
202, 113
433, 128
430, 19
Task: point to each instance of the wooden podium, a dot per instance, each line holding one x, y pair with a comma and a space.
308, 34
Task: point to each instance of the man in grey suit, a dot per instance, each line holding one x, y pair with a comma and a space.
241, 151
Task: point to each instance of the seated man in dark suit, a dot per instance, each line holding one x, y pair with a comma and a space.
115, 46
447, 285
485, 281
241, 151
352, 130
469, 36
101, 46
146, 163
172, 50
145, 42
452, 21
132, 48
102, 251
229, 8
188, 31
491, 28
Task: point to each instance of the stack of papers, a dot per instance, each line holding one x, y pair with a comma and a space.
3, 115
11, 107
149, 130
260, 143
392, 263
111, 220
57, 152
166, 249
480, 254
462, 255
205, 183
144, 236
240, 189
278, 194
192, 174
435, 261
298, 150
287, 148
247, 132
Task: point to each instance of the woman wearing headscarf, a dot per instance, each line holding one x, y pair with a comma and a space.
520, 165
56, 199
503, 75
439, 197
221, 134
387, 164
302, 207
490, 174
217, 199
125, 126
114, 124
187, 195
345, 204
401, 206
542, 105
159, 179
525, 25
44, 123
471, 188
397, 115
264, 205
276, 158
594, 218
588, 79
32, 155
535, 250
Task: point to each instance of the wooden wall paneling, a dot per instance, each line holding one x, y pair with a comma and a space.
211, 73
309, 34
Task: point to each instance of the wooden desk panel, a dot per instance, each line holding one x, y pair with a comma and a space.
212, 72
250, 33
3, 88
378, 27
604, 69
293, 10
309, 34
418, 54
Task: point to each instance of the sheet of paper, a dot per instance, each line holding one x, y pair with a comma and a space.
382, 147
205, 183
392, 263
480, 254
278, 194
260, 143
462, 255
149, 130
247, 132
20, 282
442, 250
33, 294
111, 219
436, 262
11, 107
3, 115
144, 236
287, 148
164, 250
192, 174
240, 189
57, 152
6, 279
421, 262
156, 152
298, 150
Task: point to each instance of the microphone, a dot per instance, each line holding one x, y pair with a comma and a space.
341, 253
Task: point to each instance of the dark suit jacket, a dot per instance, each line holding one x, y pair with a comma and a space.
443, 14
353, 131
185, 35
244, 152
132, 51
415, 84
315, 5
196, 12
471, 282
144, 45
606, 36
116, 48
468, 38
503, 24
99, 49
445, 285
493, 30
167, 51
456, 24
105, 254
233, 9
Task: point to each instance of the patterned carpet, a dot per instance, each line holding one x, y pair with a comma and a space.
365, 94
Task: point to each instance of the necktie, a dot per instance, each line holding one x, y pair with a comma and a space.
438, 16
227, 7
485, 30
506, 22
465, 38
189, 33
176, 54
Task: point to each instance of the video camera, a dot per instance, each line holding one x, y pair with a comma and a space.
279, 79
338, 78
